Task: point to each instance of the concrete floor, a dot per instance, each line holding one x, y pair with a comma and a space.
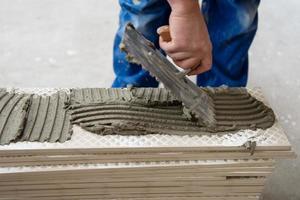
54, 43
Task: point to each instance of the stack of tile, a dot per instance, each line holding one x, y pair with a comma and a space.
202, 179
90, 166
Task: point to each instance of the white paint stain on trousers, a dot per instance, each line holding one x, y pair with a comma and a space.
136, 2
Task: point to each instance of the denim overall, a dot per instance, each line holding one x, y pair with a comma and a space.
232, 25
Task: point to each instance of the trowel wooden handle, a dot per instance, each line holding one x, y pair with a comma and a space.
164, 32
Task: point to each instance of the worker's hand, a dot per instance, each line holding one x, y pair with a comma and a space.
189, 45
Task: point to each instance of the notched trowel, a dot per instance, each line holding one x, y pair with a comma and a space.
196, 101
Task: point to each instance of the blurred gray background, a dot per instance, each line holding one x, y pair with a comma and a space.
56, 43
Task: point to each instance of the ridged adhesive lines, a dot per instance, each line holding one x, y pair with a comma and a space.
13, 112
66, 130
8, 111
60, 119
235, 110
32, 117
144, 96
40, 120
123, 111
48, 118
5, 112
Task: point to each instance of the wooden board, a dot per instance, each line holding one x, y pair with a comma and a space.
138, 157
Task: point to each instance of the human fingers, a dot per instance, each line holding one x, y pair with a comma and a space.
179, 56
205, 65
187, 63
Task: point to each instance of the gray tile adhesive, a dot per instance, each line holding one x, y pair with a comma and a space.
48, 119
13, 112
32, 117
157, 111
128, 111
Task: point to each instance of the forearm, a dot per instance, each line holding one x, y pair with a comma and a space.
184, 7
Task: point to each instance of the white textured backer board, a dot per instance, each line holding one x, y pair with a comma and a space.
272, 138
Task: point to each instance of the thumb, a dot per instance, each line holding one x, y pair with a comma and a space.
164, 33
164, 37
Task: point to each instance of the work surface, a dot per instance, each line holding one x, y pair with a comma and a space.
240, 167
44, 40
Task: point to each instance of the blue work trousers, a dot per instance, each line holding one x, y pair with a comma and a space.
232, 25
